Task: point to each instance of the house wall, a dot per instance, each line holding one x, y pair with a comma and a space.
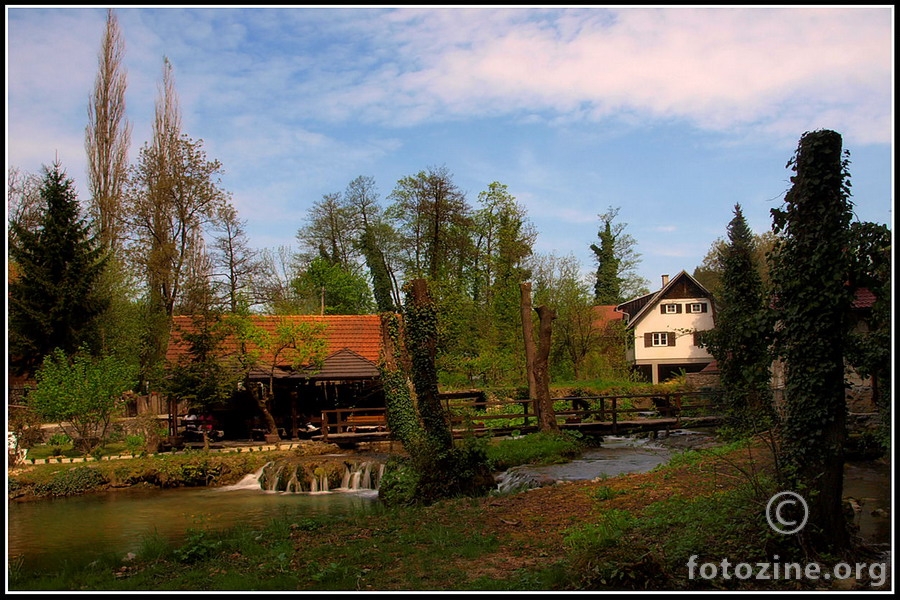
683, 325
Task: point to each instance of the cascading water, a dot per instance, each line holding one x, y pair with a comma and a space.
315, 476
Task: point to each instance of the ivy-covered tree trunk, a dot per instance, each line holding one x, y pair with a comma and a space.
546, 414
812, 298
401, 412
421, 343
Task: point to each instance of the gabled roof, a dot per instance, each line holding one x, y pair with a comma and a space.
353, 342
681, 286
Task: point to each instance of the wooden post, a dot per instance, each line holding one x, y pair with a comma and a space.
528, 338
615, 411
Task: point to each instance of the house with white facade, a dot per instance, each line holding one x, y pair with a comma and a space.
664, 327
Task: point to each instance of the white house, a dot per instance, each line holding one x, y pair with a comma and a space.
664, 325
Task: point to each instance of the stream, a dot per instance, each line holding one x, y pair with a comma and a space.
79, 528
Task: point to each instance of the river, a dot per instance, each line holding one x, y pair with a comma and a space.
80, 528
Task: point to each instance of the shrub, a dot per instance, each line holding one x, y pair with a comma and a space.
73, 481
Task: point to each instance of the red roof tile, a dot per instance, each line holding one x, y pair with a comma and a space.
358, 333
604, 313
863, 298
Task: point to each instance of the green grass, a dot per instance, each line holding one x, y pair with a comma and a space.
534, 448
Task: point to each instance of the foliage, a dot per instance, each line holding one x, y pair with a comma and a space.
55, 303
203, 378
742, 336
421, 319
429, 474
869, 348
25, 424
329, 286
809, 272
617, 260
71, 482
82, 394
535, 448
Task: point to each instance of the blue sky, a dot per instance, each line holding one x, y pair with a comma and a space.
673, 115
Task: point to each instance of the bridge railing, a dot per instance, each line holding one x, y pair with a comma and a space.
615, 408
475, 412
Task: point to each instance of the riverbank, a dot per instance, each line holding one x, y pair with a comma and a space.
631, 532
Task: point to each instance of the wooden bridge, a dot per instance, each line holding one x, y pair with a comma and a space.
470, 413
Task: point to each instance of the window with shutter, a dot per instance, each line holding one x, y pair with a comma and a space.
660, 338
698, 307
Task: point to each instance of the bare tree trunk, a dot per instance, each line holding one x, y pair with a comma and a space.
262, 396
528, 337
546, 415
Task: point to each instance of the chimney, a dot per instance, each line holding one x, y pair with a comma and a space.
665, 280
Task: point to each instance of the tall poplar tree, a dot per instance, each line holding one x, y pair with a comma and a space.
173, 197
55, 302
107, 137
810, 270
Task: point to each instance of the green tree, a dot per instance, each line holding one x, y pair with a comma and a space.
617, 261
742, 336
709, 272
376, 242
204, 377
870, 346
434, 219
55, 302
809, 272
434, 468
81, 393
299, 345
328, 288
174, 195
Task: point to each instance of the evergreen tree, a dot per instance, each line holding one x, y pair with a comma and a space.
741, 338
608, 287
55, 302
617, 261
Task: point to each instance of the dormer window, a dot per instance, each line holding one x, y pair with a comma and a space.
671, 309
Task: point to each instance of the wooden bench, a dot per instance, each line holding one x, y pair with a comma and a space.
376, 422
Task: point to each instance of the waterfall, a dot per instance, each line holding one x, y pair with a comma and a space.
313, 477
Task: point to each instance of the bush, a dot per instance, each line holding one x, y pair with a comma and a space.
73, 481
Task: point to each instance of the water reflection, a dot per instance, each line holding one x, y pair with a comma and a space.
83, 528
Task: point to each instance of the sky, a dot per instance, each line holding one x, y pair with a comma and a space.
672, 115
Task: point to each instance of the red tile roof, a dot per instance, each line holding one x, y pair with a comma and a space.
863, 298
359, 333
604, 313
